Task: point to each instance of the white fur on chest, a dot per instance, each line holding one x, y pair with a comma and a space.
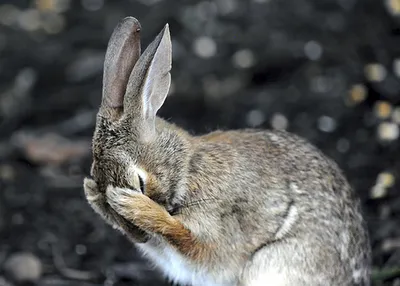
175, 266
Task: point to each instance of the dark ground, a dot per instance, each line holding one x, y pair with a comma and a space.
328, 70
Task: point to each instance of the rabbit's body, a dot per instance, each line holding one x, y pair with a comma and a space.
280, 222
242, 208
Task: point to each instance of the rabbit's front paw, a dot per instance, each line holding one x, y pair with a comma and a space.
97, 200
136, 207
153, 218
91, 191
94, 197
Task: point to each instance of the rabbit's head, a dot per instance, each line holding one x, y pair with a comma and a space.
133, 148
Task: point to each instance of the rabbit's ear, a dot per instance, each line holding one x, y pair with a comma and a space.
123, 51
150, 80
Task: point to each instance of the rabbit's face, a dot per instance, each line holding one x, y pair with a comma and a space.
122, 158
115, 156
127, 151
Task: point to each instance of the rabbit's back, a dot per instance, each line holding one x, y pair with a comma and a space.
283, 187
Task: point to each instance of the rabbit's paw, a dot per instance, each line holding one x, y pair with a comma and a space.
153, 218
136, 207
98, 202
95, 198
91, 191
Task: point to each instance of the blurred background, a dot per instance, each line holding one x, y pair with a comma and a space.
328, 70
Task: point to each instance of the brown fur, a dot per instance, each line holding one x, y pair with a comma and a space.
153, 218
237, 205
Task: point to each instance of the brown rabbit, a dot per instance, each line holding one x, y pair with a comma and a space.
246, 207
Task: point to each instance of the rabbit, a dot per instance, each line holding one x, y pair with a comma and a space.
242, 207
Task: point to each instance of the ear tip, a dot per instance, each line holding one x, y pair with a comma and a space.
131, 22
166, 31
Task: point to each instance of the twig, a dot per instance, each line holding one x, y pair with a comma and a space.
69, 272
75, 124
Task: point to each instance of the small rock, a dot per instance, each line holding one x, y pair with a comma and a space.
243, 59
9, 14
51, 148
279, 121
391, 244
255, 118
396, 115
378, 192
357, 94
29, 20
23, 267
313, 50
326, 124
58, 6
80, 249
44, 5
206, 10
386, 179
343, 145
388, 131
382, 109
205, 47
393, 7
375, 72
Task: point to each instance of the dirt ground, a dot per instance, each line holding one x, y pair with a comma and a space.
328, 70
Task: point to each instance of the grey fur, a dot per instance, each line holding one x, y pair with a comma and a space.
278, 211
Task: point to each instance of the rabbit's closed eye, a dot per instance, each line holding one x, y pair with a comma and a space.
136, 182
136, 178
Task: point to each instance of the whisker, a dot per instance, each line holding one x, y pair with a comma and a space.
201, 201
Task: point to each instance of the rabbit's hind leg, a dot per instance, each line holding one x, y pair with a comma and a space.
283, 263
261, 271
